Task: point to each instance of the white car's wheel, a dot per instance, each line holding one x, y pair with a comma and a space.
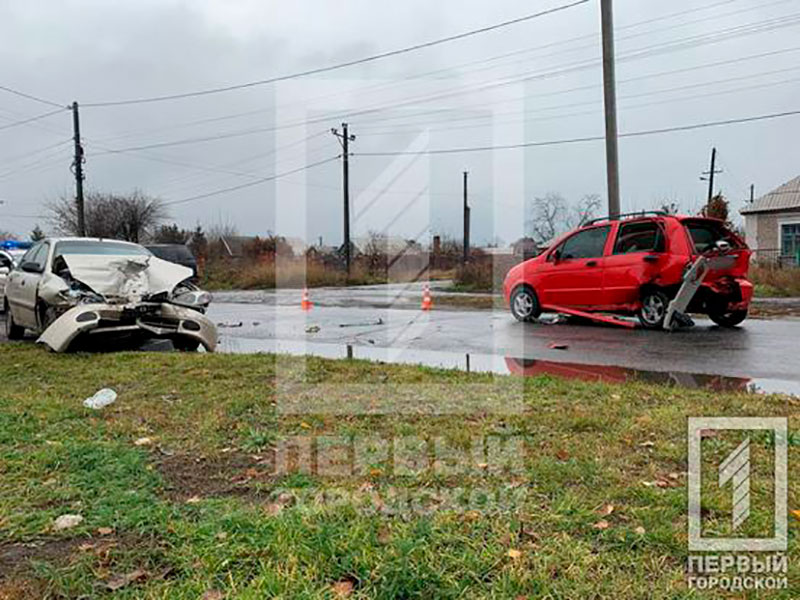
13, 331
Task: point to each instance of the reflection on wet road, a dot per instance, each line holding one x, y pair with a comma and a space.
760, 352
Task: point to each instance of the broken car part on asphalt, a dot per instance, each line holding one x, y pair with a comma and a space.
66, 289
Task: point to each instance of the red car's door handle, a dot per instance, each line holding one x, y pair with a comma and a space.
650, 259
591, 263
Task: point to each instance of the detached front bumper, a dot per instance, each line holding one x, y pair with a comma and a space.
148, 320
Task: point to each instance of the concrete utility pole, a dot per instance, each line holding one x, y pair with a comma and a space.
344, 139
610, 93
77, 169
466, 217
713, 171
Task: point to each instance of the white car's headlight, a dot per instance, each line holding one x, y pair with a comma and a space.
193, 299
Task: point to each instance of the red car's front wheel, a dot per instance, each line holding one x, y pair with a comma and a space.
524, 304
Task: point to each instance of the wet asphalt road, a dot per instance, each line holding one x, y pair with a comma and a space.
385, 323
759, 350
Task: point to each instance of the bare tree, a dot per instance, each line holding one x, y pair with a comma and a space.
171, 234
670, 207
548, 216
585, 211
551, 215
132, 217
375, 253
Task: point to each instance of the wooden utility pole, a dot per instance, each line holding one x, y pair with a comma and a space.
610, 94
77, 169
710, 173
344, 139
466, 217
752, 193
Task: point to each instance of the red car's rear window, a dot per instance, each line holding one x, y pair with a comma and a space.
705, 234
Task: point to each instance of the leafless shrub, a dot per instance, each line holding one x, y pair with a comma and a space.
131, 217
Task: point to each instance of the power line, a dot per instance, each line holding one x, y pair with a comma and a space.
5, 161
492, 59
683, 43
645, 52
31, 97
371, 132
137, 152
588, 138
252, 183
32, 119
343, 65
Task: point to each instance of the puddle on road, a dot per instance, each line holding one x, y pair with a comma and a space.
521, 367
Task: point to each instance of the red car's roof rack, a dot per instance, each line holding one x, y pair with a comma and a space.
633, 215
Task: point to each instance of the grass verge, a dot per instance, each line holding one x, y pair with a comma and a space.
181, 496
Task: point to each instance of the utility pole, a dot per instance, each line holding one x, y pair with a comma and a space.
77, 169
713, 171
344, 139
466, 217
752, 193
610, 94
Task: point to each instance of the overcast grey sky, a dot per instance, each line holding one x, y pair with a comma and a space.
680, 63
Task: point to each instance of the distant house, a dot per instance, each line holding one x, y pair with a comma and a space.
526, 248
772, 223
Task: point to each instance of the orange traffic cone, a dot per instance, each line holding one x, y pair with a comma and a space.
427, 301
305, 303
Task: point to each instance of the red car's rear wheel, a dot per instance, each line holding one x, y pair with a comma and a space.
728, 319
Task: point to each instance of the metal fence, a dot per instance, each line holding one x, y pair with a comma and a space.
774, 258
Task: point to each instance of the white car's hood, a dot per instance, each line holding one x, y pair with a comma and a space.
121, 276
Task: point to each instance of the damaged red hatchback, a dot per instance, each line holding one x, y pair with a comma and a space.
636, 266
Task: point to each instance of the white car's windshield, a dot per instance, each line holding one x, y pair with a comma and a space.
99, 248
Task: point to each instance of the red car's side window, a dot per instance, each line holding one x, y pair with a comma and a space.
643, 236
584, 244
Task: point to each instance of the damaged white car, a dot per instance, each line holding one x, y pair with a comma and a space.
74, 290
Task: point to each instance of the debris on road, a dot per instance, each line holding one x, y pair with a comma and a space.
313, 329
363, 324
101, 399
67, 522
230, 325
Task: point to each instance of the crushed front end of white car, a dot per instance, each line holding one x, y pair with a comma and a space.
123, 296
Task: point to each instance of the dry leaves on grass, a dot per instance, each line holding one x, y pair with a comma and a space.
606, 510
640, 530
213, 595
104, 531
67, 522
343, 589
514, 553
796, 514
602, 525
120, 581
